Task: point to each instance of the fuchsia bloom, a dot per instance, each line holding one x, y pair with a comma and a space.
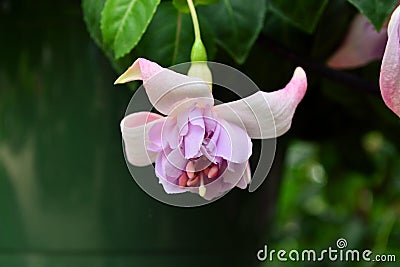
390, 68
199, 147
362, 45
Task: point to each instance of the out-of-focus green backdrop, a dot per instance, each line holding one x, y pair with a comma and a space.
67, 198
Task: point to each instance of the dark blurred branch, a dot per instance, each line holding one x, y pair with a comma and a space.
310, 65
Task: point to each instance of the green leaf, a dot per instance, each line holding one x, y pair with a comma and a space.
169, 37
123, 23
236, 24
183, 7
377, 11
302, 14
92, 16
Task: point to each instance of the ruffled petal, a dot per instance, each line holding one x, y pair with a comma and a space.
246, 178
229, 179
175, 164
135, 128
167, 90
266, 115
169, 134
390, 70
362, 45
169, 186
155, 136
195, 135
234, 173
215, 189
193, 141
233, 143
160, 162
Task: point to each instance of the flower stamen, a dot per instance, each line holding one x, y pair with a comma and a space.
193, 181
206, 170
183, 179
213, 172
190, 170
202, 188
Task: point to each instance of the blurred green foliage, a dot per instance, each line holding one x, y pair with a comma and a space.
322, 200
376, 11
117, 26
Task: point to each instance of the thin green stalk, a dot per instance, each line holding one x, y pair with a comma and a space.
195, 21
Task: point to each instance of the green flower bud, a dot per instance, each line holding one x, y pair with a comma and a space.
198, 51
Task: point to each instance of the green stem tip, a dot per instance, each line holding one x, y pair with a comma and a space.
199, 52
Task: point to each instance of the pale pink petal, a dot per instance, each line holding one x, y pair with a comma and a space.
215, 189
135, 128
234, 173
195, 135
141, 69
193, 141
219, 186
160, 163
168, 184
233, 143
209, 119
182, 120
176, 163
362, 45
167, 89
266, 115
246, 178
242, 183
390, 69
228, 180
169, 134
155, 136
171, 188
174, 139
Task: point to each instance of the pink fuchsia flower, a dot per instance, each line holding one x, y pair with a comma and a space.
199, 147
362, 45
390, 69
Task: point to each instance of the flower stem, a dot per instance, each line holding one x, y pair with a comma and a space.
196, 26
199, 52
198, 57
